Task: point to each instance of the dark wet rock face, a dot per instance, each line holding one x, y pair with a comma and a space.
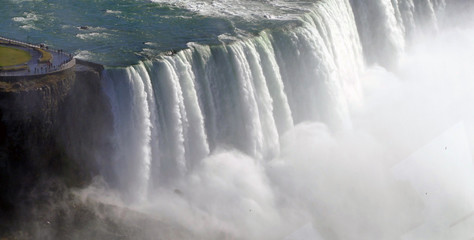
53, 129
55, 134
68, 215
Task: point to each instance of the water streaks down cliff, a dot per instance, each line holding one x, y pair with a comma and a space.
172, 112
298, 124
315, 123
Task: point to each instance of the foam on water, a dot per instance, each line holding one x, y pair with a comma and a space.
113, 11
86, 55
250, 10
28, 20
92, 35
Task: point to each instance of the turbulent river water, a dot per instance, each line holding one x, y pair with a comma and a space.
259, 118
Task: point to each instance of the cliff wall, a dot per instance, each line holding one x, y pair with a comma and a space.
53, 128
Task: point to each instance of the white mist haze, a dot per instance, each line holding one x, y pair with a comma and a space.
344, 184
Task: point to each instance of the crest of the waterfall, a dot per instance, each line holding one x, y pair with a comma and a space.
319, 63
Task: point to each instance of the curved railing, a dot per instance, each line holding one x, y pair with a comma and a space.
41, 68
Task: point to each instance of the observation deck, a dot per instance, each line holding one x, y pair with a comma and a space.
20, 59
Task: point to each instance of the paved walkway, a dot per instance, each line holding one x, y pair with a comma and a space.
60, 61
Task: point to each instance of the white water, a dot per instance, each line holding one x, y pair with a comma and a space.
386, 25
242, 95
218, 124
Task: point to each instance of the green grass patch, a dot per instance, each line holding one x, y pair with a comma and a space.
45, 56
14, 68
10, 56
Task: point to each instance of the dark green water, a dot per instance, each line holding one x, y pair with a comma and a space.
122, 32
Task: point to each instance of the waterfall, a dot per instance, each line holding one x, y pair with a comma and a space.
133, 106
385, 26
173, 111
